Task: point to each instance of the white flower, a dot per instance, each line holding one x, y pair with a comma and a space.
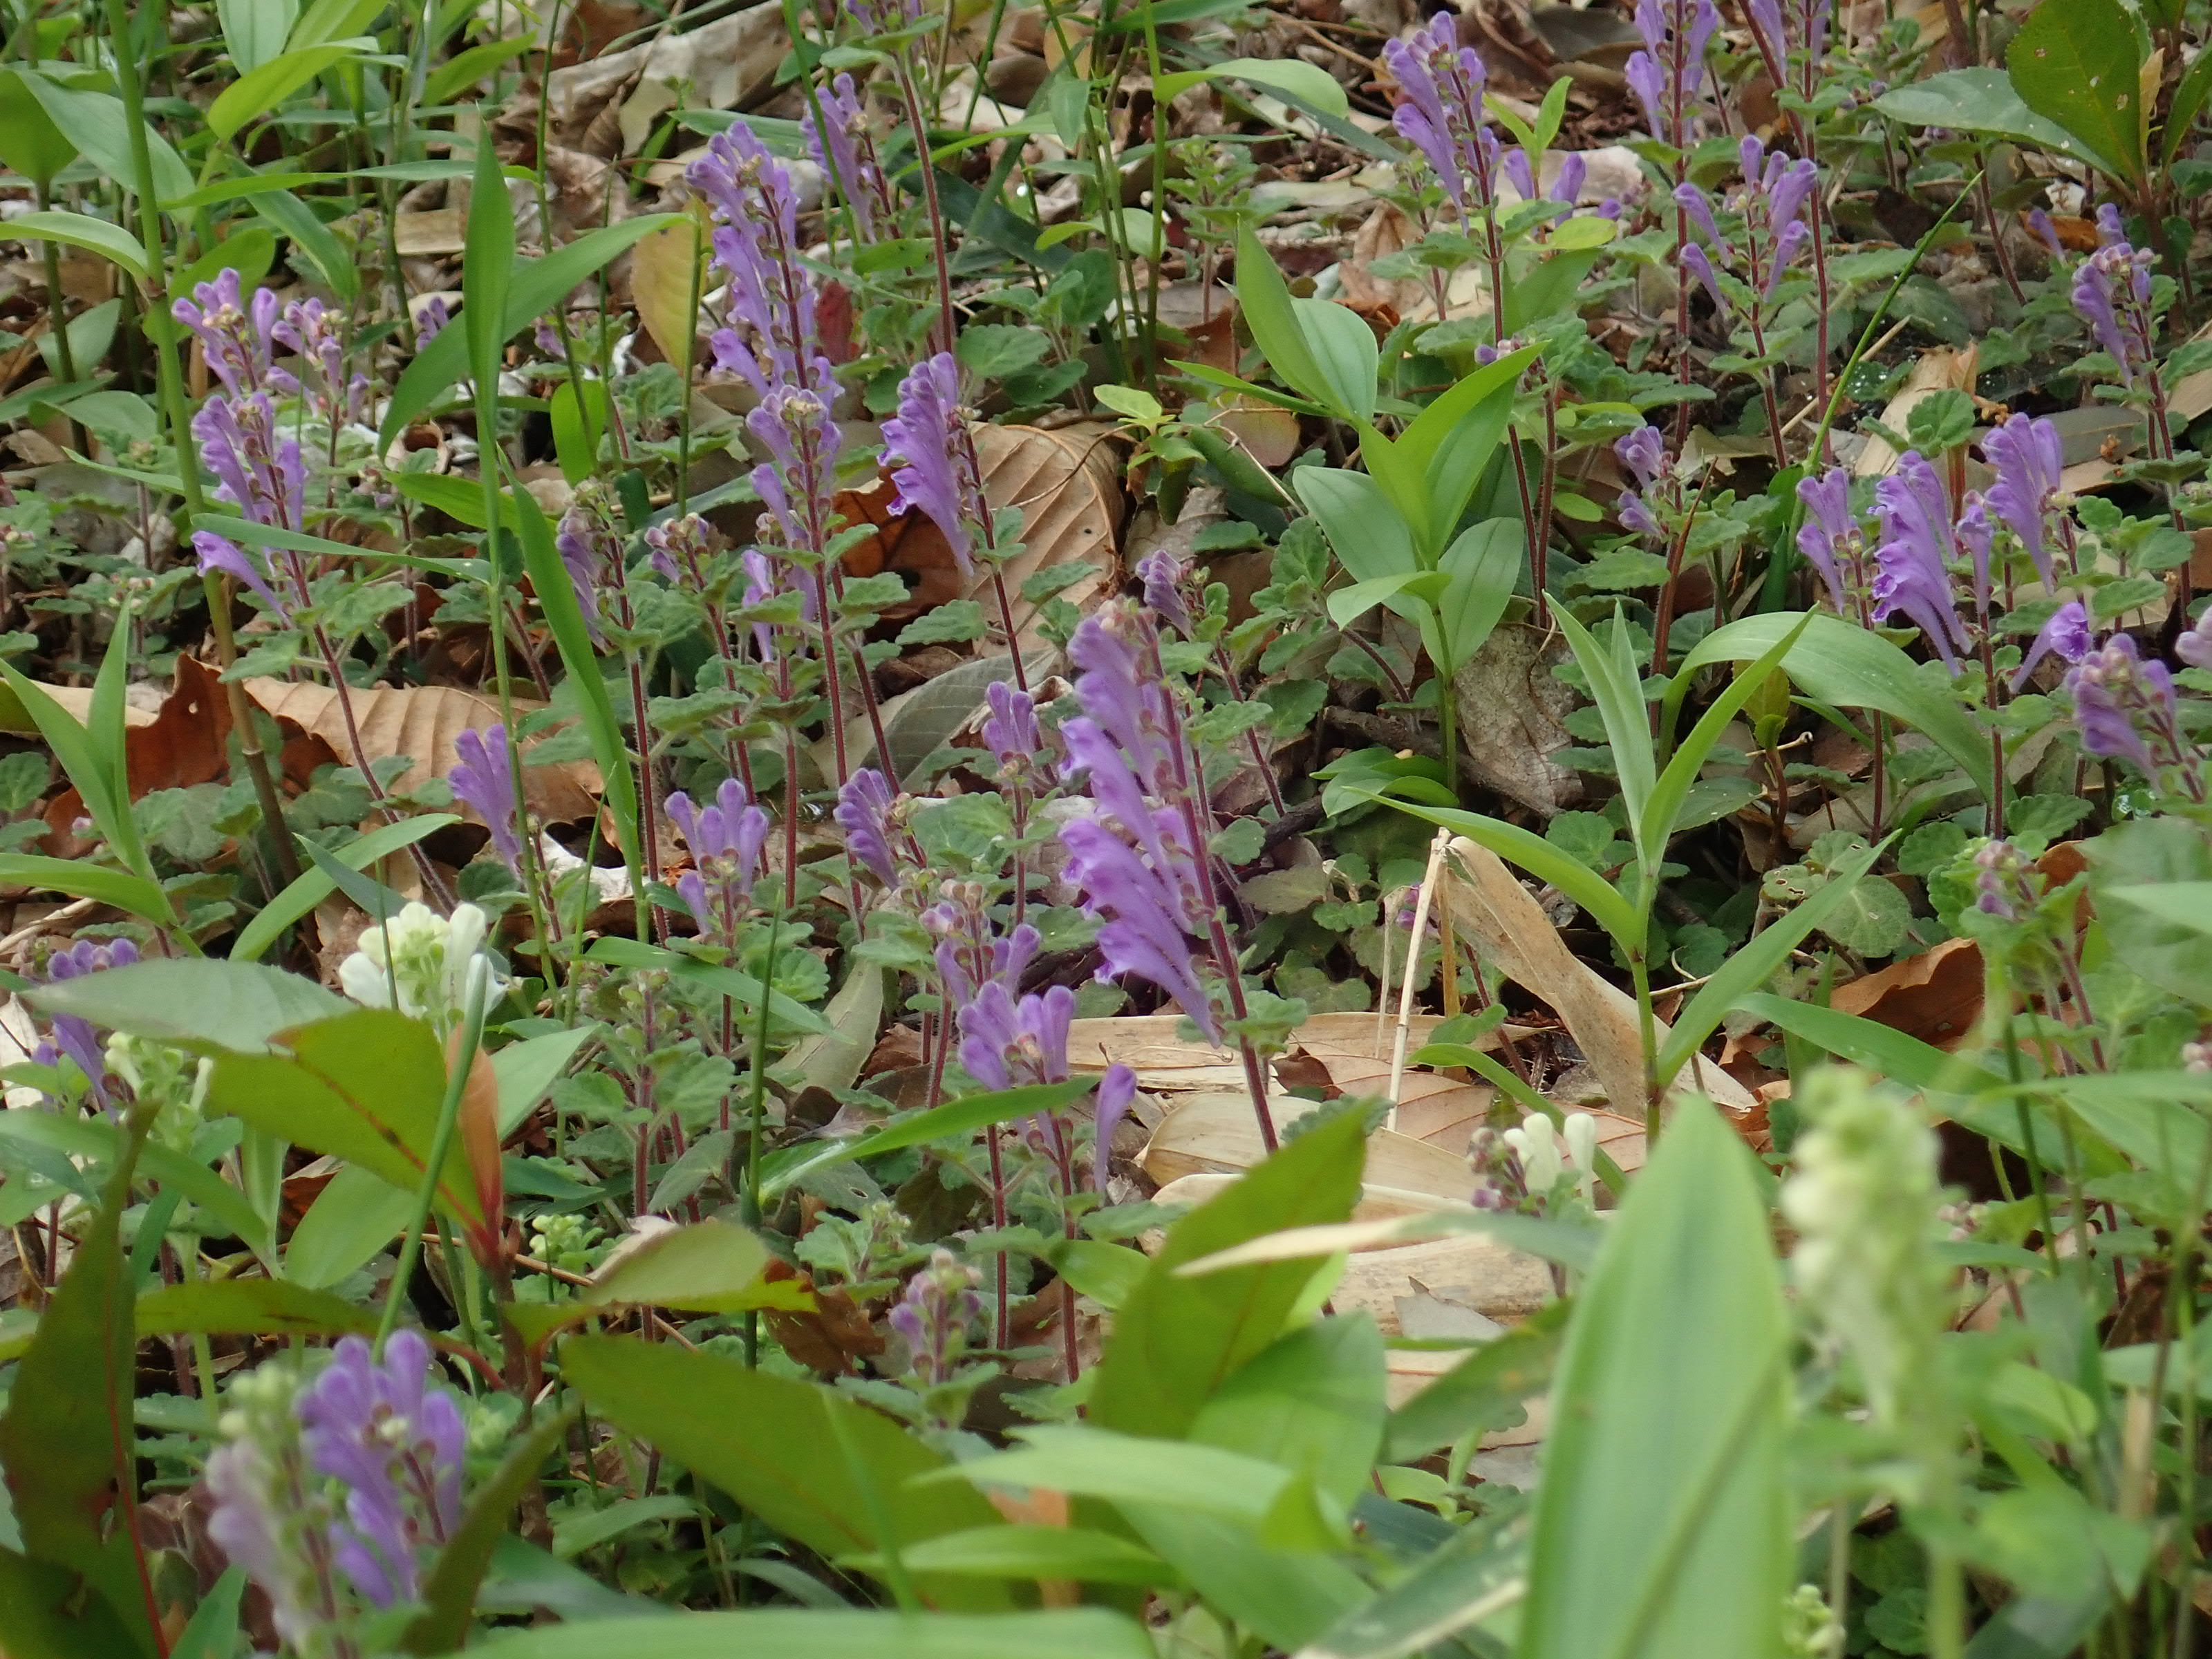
1543, 1160
425, 958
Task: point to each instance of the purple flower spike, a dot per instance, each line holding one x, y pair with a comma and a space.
75, 1036
863, 813
1694, 261
235, 334
1117, 1092
587, 546
2112, 294
844, 148
1914, 580
2029, 457
1792, 191
935, 1317
1643, 451
932, 458
1669, 75
483, 781
1442, 114
396, 1444
226, 558
1975, 532
727, 839
1006, 1044
1011, 730
1164, 574
1699, 206
2065, 635
2121, 703
1830, 536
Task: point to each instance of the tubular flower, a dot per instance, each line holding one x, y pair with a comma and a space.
2029, 457
483, 781
932, 458
844, 147
235, 334
73, 1035
1164, 573
1010, 1042
726, 839
2066, 636
864, 812
1668, 76
1914, 579
1441, 110
1830, 538
311, 329
1010, 733
933, 1318
2125, 708
2112, 293
1643, 452
591, 552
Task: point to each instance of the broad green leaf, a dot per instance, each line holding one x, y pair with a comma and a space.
1371, 538
785, 1461
1285, 1597
96, 123
798, 1633
96, 1141
1314, 1402
1482, 568
1484, 1391
1269, 312
202, 1003
1348, 604
261, 89
1838, 662
1540, 858
30, 142
1097, 1557
84, 751
449, 1597
535, 287
2188, 102
52, 1614
212, 1632
1758, 962
1454, 439
1972, 101
1662, 1526
110, 242
81, 879
295, 219
68, 1439
2164, 949
365, 1086
248, 1307
334, 20
959, 1117
1301, 80
1897, 1055
1178, 1339
2147, 1115
2077, 63
1473, 1576
1663, 810
527, 1070
576, 428
467, 68
487, 267
1282, 1508
707, 1266
1343, 351
1618, 690
353, 1217
311, 887
2185, 903
255, 30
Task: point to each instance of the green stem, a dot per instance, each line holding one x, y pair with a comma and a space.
441, 1144
756, 1116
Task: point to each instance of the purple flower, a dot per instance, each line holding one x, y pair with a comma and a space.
863, 813
2195, 645
969, 954
73, 1035
226, 558
312, 329
1163, 574
1121, 695
845, 150
587, 547
935, 1317
431, 319
2029, 457
932, 456
1696, 262
1829, 538
1643, 451
771, 339
2065, 634
1975, 532
726, 839
396, 1446
1010, 1043
1441, 113
257, 471
1788, 187
483, 781
2046, 232
2001, 883
680, 549
1699, 206
235, 334
2112, 293
1914, 576
1010, 731
2123, 705
1117, 1090
1667, 77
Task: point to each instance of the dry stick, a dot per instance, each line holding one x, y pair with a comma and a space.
1412, 969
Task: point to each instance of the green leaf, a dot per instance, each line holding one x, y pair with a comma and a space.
797, 1633
96, 123
449, 1599
296, 220
1270, 312
68, 1441
1370, 535
1178, 1339
255, 30
1617, 688
80, 879
1308, 82
790, 1013
1834, 661
534, 288
1758, 962
1314, 1402
51, 1615
1095, 1558
576, 428
2078, 64
311, 887
707, 1266
353, 1217
556, 597
1476, 1393
1348, 604
365, 1086
248, 1307
202, 1003
111, 241
786, 1466
262, 89
527, 1070
1662, 1526
1344, 353
2166, 950
2188, 103
1280, 1507
487, 267
30, 142
1663, 810
959, 1117
468, 67
92, 755
1973, 100
1897, 1055
1470, 1578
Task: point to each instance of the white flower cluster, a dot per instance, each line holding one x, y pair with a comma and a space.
170, 1081
423, 958
1539, 1146
1863, 1201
